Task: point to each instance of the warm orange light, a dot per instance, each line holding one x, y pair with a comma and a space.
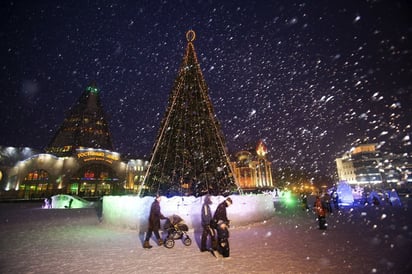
261, 149
364, 148
190, 35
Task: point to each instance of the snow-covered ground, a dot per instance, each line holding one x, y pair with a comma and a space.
358, 240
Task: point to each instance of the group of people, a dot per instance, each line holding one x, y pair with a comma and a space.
218, 223
47, 202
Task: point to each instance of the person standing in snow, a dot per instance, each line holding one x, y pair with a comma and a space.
154, 223
304, 200
70, 204
223, 227
335, 198
321, 212
99, 209
207, 230
327, 203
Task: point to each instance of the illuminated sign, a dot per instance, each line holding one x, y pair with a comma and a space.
93, 155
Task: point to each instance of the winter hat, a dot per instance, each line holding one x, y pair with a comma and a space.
229, 200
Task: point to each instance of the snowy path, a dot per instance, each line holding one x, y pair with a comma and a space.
363, 240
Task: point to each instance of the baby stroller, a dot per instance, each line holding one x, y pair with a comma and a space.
176, 230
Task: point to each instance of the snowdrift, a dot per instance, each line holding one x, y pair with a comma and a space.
132, 211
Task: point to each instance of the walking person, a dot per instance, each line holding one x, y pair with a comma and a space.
154, 223
321, 212
327, 203
335, 198
223, 227
99, 209
207, 230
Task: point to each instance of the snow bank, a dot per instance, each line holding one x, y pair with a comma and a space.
132, 211
69, 201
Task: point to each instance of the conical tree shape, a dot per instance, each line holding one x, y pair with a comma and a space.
189, 156
85, 126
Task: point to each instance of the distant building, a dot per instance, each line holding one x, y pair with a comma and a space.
85, 126
365, 165
252, 169
397, 169
79, 160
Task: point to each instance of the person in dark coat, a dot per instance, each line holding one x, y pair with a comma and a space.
327, 203
99, 209
223, 227
154, 223
207, 230
335, 198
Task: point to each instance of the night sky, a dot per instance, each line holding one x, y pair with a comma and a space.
310, 78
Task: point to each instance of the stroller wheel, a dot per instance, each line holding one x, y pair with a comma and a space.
187, 241
170, 243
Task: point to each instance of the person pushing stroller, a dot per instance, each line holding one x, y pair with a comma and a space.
154, 223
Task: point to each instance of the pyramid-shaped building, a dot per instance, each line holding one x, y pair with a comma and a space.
189, 156
85, 126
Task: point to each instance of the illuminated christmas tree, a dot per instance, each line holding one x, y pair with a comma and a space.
189, 156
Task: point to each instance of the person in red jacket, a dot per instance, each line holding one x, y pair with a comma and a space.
154, 223
321, 212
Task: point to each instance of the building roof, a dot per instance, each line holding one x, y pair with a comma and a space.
85, 126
